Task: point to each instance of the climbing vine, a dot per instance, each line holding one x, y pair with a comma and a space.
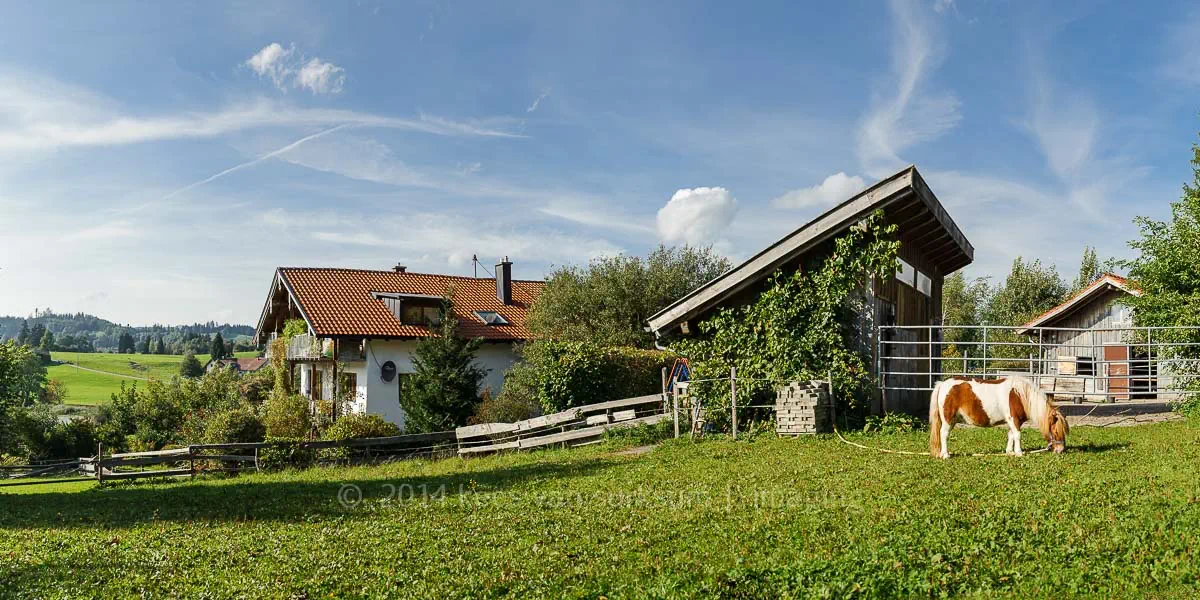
804, 326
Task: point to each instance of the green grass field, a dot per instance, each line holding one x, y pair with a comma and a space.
90, 388
1116, 516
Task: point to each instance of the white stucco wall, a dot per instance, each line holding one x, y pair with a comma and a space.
383, 398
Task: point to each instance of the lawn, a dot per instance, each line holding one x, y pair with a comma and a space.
1116, 516
91, 388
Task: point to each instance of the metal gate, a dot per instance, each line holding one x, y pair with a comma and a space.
1101, 364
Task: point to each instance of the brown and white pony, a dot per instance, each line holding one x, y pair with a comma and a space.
989, 402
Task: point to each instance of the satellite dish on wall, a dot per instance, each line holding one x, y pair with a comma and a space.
387, 372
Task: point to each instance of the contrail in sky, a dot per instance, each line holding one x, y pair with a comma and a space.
251, 163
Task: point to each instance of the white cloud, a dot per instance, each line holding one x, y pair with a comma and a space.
41, 114
1064, 127
321, 77
594, 214
941, 6
286, 67
271, 62
909, 114
834, 189
696, 216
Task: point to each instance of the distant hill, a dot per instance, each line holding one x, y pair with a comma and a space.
87, 333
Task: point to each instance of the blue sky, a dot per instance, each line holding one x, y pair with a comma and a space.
158, 161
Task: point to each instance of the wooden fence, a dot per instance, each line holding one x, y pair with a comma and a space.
572, 427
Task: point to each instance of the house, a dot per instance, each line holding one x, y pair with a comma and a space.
363, 326
239, 365
931, 248
1085, 345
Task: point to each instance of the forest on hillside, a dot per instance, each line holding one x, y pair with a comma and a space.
81, 332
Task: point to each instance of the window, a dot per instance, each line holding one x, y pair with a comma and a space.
491, 318
349, 386
924, 284
418, 314
906, 273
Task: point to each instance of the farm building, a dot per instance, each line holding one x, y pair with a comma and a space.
1086, 347
931, 248
363, 327
238, 365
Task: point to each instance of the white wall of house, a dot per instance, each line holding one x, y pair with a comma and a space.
383, 398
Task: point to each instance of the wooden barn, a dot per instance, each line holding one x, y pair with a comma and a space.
931, 248
1087, 348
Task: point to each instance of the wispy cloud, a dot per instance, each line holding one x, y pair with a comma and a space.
1180, 49
904, 112
44, 115
594, 214
833, 189
286, 67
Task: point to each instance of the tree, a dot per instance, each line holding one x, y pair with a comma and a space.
125, 343
1029, 290
443, 391
190, 366
21, 377
217, 347
47, 342
143, 346
1089, 269
36, 333
608, 302
160, 347
963, 304
23, 336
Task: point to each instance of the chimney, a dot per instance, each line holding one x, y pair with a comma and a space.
399, 268
504, 281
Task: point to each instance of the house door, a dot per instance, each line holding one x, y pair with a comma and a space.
1116, 368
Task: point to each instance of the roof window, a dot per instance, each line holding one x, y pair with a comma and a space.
490, 317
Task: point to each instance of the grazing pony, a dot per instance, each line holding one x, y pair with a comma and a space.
988, 402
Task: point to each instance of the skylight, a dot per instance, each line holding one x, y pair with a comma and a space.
491, 318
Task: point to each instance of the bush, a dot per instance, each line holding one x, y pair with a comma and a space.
358, 425
287, 416
41, 436
505, 408
285, 453
560, 375
892, 423
234, 425
642, 434
190, 366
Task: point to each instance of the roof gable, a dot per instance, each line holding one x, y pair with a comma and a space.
1104, 283
910, 204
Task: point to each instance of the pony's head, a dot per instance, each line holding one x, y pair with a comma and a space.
1055, 430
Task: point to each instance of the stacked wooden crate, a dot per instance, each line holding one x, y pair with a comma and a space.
803, 408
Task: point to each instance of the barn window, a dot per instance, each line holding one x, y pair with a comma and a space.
924, 284
906, 273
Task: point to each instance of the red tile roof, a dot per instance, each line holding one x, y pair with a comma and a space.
1100, 283
339, 302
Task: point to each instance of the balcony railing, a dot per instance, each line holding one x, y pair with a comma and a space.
307, 347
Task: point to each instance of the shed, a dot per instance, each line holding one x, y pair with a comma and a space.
1086, 347
931, 247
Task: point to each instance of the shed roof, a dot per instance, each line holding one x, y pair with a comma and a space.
1105, 283
345, 302
907, 202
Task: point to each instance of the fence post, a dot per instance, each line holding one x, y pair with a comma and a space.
191, 463
966, 355
675, 404
985, 336
99, 462
733, 398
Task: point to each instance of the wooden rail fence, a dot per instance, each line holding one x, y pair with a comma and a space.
577, 426
572, 427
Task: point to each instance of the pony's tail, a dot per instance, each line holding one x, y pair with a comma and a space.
935, 423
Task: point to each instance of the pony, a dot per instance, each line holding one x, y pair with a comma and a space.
989, 402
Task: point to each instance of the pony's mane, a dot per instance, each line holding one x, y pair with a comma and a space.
1037, 405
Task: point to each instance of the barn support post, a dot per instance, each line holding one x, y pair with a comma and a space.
733, 398
930, 332
1041, 357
